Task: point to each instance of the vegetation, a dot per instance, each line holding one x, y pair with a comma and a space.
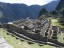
60, 37
62, 16
43, 11
54, 12
55, 22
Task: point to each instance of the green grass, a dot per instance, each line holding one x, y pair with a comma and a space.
60, 37
44, 46
16, 43
55, 22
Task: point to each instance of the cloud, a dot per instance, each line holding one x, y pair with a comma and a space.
28, 2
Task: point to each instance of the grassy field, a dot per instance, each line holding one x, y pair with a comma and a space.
16, 43
60, 37
55, 22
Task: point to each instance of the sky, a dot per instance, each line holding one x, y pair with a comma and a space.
28, 2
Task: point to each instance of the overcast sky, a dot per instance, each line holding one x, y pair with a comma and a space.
28, 2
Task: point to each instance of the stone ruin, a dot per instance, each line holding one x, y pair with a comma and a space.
33, 30
37, 26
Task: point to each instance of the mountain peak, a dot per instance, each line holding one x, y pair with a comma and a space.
52, 5
60, 5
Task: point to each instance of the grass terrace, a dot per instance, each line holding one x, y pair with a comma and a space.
55, 22
17, 43
60, 37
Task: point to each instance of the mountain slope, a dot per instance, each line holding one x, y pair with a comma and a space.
51, 6
60, 5
11, 12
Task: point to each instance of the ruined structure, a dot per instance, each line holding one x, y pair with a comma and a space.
41, 28
34, 30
